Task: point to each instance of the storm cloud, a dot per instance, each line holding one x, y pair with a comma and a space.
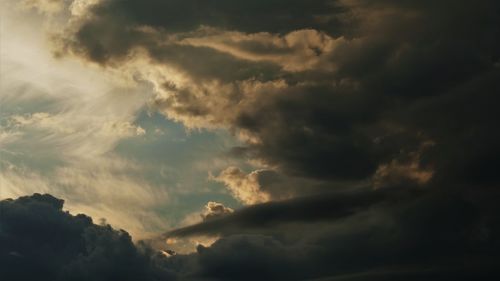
371, 127
328, 90
40, 241
425, 237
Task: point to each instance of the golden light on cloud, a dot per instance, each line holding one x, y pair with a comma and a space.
90, 110
341, 139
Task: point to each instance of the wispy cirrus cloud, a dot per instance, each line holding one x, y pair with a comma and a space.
59, 125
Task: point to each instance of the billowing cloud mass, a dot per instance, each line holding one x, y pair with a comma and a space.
215, 210
410, 237
39, 241
367, 129
339, 92
263, 185
245, 188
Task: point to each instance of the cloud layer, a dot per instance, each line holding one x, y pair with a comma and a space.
425, 237
344, 90
369, 128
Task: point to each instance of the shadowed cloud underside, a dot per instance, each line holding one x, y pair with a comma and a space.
327, 140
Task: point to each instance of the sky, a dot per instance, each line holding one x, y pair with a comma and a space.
249, 140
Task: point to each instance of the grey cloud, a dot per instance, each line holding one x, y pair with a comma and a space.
264, 185
315, 208
344, 116
404, 74
39, 241
443, 232
429, 236
434, 236
274, 16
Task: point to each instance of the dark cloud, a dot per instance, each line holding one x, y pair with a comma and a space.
387, 93
328, 90
317, 208
39, 241
273, 16
427, 237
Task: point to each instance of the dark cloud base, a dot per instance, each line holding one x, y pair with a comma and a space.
412, 235
398, 95
40, 241
426, 237
400, 74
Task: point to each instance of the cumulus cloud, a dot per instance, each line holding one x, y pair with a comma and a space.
308, 99
425, 237
110, 192
60, 123
397, 95
428, 236
244, 187
265, 185
323, 207
187, 244
215, 210
41, 241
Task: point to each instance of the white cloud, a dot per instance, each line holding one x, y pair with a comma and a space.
122, 129
74, 115
42, 120
102, 188
7, 137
